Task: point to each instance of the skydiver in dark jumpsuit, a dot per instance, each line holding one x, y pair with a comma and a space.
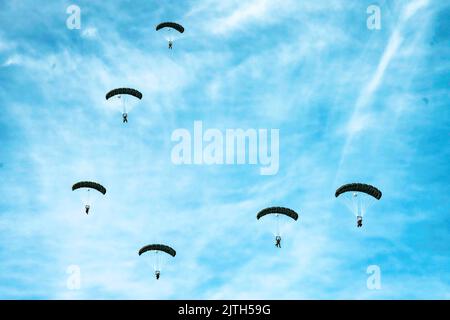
125, 117
278, 241
170, 45
359, 221
157, 274
87, 207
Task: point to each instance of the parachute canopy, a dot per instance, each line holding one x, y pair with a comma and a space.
277, 210
172, 25
120, 91
89, 185
158, 247
359, 187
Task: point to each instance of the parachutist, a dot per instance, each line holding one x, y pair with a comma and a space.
170, 26
278, 241
157, 248
277, 212
88, 186
361, 193
359, 221
122, 94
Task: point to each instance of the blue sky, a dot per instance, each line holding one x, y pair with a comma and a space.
351, 104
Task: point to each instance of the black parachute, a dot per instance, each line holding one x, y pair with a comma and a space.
89, 185
158, 247
359, 187
278, 210
172, 25
121, 91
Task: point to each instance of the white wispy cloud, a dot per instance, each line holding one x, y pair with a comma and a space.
366, 95
89, 33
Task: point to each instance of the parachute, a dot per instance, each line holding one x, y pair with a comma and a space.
122, 93
359, 187
86, 198
277, 210
89, 185
358, 198
158, 247
157, 259
278, 213
172, 25
168, 31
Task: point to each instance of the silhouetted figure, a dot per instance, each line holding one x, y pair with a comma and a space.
157, 274
359, 221
170, 45
87, 207
125, 117
278, 241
